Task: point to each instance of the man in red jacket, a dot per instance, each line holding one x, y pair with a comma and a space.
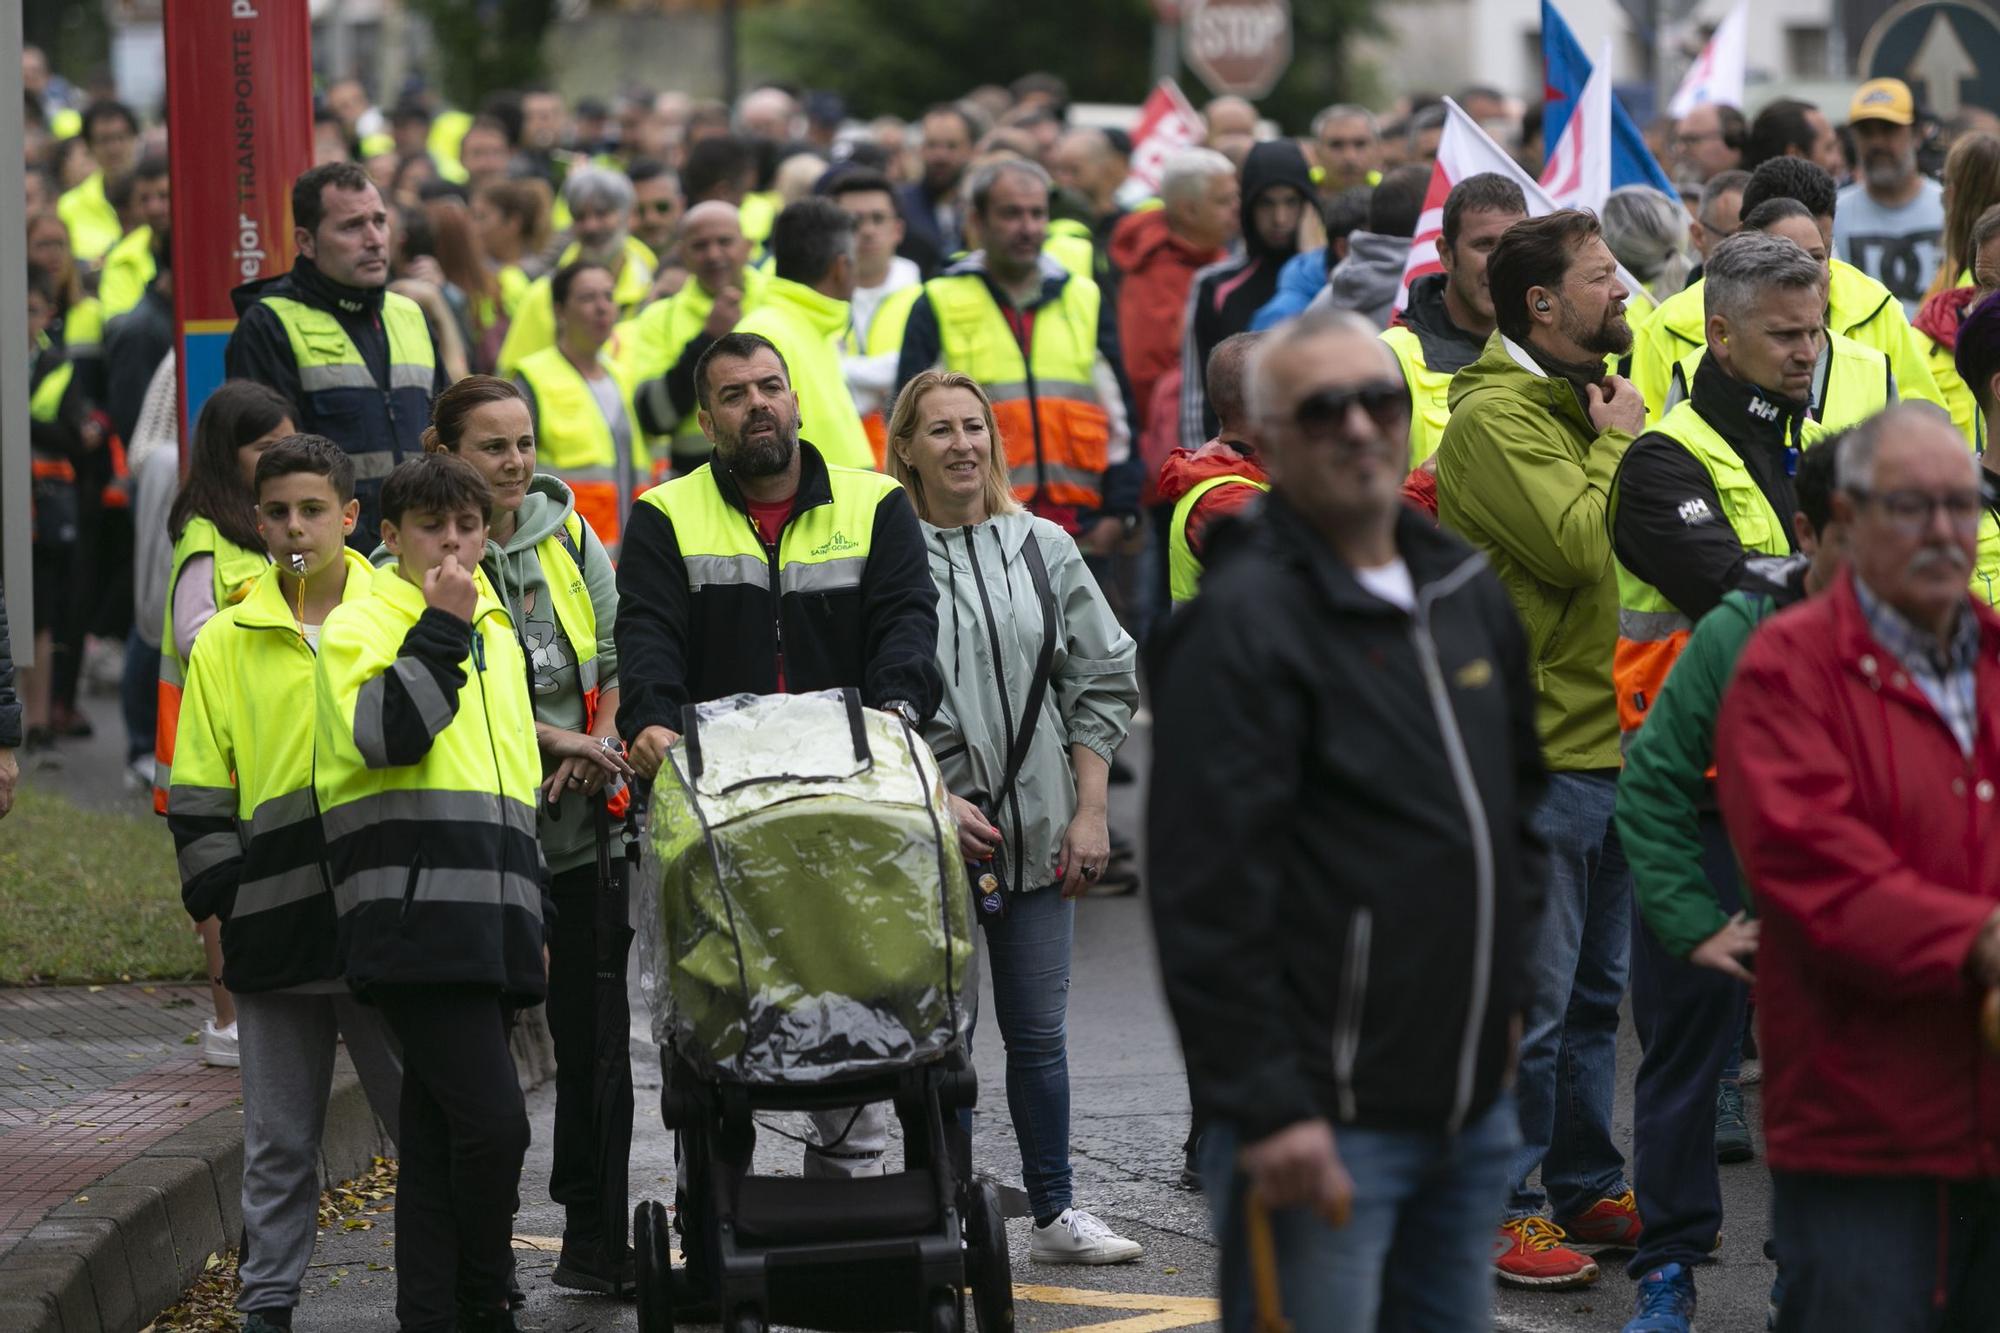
1858, 758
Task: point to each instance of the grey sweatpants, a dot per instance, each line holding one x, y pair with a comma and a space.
286, 1040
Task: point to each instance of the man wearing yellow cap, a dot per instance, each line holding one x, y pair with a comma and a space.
1889, 221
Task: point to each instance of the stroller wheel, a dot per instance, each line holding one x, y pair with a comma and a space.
944, 1316
653, 1267
987, 1269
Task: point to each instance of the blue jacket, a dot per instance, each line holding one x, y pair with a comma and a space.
1299, 281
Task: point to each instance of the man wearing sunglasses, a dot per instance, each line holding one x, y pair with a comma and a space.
1344, 876
1858, 767
1524, 472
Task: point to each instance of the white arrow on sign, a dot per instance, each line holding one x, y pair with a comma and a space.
1940, 63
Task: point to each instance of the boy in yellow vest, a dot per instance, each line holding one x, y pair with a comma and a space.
427, 775
243, 818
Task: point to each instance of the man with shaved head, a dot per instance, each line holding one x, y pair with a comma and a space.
1857, 768
659, 349
1349, 1059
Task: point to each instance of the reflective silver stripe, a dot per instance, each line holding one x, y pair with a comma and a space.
280, 812
823, 576
368, 725
1028, 475
1045, 390
427, 807
1650, 626
347, 375
275, 891
490, 888
432, 707
403, 375
1353, 999
1484, 889
727, 570
586, 674
373, 464
207, 852
202, 802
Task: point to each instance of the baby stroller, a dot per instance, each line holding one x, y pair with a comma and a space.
806, 931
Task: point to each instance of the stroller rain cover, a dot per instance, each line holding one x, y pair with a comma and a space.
804, 912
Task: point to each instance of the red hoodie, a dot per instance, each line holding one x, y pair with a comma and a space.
1158, 269
1186, 469
1939, 317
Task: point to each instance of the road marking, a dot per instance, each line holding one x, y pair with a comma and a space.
1156, 1313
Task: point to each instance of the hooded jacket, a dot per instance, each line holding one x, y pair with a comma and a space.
803, 324
1367, 281
1158, 268
1228, 295
1938, 322
260, 350
1345, 880
989, 639
520, 584
1525, 476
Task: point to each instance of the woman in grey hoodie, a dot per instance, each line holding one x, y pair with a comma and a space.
1015, 602
551, 572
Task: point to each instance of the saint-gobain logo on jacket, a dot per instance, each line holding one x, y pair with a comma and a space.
836, 545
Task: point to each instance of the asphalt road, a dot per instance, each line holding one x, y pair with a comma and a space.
1129, 1116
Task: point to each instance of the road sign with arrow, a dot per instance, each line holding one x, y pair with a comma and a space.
1948, 51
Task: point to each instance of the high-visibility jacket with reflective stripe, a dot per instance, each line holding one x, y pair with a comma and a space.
437, 875
1071, 245
573, 441
1857, 386
128, 267
1430, 392
376, 425
533, 323
241, 806
751, 605
884, 335
806, 326
650, 345
236, 571
1183, 565
1045, 404
45, 400
1986, 565
92, 221
1652, 630
83, 328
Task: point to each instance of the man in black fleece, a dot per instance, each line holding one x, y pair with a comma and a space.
1277, 184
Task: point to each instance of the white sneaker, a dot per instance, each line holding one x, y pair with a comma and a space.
139, 774
218, 1046
1077, 1237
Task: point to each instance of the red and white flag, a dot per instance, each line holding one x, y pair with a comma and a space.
1168, 123
1467, 150
1578, 172
1716, 77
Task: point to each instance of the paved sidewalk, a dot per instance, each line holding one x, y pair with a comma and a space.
89, 1078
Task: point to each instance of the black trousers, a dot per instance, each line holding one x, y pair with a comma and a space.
1688, 1019
464, 1135
574, 1024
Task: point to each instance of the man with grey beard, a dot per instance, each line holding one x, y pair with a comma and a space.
1888, 222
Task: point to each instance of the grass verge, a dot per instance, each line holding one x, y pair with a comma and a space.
88, 896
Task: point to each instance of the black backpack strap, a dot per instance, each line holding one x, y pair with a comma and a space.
1017, 752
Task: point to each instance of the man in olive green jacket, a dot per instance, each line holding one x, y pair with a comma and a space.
1524, 473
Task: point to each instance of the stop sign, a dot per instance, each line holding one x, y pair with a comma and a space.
1238, 46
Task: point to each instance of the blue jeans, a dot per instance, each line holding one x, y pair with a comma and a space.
1865, 1252
1569, 1047
1028, 953
1416, 1257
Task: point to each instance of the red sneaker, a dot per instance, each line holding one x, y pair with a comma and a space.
1613, 1222
1530, 1253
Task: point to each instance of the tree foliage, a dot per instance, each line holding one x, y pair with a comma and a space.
487, 46
899, 57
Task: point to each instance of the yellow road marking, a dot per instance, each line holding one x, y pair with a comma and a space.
1156, 1313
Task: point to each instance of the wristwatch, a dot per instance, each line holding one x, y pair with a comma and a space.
904, 709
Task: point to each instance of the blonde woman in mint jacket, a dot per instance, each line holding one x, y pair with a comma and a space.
1013, 591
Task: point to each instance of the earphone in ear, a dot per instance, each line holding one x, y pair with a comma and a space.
1542, 306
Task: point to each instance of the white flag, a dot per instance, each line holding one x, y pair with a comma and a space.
1578, 172
1466, 150
1716, 76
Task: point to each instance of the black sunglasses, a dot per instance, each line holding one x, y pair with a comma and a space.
1324, 414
